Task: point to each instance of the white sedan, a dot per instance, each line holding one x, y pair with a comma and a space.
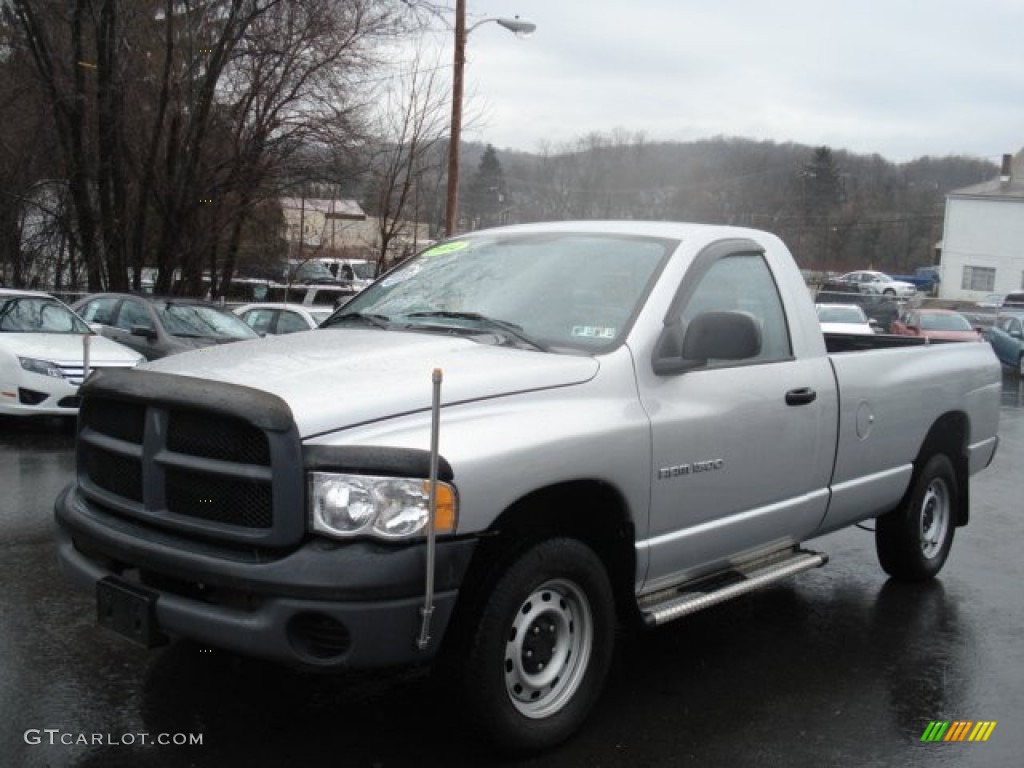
43, 357
870, 281
844, 318
275, 318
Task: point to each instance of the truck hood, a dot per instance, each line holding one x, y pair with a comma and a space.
337, 378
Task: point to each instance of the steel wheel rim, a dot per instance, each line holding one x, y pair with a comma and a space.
935, 518
548, 647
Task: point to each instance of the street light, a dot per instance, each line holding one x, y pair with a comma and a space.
517, 27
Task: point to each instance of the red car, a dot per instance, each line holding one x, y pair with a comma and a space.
942, 324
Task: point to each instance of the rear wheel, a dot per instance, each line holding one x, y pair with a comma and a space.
536, 662
913, 541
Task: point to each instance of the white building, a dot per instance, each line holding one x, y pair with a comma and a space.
315, 228
983, 236
313, 223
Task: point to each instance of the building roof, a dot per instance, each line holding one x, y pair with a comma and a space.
330, 208
1006, 186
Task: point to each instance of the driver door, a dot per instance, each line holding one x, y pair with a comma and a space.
742, 449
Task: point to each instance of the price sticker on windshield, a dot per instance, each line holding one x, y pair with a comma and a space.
443, 248
592, 332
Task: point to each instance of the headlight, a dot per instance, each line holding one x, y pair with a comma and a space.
45, 367
385, 507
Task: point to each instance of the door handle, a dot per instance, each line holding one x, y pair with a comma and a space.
801, 396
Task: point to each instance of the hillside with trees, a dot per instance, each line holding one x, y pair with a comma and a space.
836, 210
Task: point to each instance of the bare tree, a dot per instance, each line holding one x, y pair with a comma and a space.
175, 117
411, 124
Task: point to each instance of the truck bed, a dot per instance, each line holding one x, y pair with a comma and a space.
855, 342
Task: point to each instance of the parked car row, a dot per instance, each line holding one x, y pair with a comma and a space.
156, 327
47, 348
997, 318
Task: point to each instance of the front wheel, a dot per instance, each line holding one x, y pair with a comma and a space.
913, 542
537, 660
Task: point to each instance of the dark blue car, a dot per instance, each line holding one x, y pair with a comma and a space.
1007, 338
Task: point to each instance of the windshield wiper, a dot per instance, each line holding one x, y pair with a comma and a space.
509, 329
377, 321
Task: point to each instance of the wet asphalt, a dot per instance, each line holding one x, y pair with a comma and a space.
835, 667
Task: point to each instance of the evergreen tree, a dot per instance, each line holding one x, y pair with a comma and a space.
486, 195
821, 183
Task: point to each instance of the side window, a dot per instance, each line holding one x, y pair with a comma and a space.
291, 322
259, 320
100, 311
133, 314
744, 283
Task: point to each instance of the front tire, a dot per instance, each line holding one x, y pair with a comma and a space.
538, 658
913, 542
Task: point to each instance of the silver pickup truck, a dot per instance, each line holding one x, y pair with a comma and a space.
506, 448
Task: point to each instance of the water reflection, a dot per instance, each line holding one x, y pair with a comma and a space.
928, 671
1013, 391
36, 462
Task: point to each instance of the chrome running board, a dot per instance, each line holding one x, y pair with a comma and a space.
691, 597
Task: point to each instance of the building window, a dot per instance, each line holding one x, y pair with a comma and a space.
979, 279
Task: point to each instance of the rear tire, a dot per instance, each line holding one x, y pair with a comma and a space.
913, 542
537, 660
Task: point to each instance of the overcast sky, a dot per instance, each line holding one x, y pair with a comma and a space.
900, 78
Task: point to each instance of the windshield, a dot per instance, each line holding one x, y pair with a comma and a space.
841, 315
201, 320
312, 271
565, 291
945, 322
363, 269
38, 314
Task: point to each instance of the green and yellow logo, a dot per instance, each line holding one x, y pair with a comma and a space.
958, 730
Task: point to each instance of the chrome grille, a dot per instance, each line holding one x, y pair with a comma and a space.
75, 373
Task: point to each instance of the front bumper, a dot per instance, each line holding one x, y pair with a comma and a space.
40, 397
325, 604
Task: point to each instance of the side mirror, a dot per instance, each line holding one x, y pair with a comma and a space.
709, 336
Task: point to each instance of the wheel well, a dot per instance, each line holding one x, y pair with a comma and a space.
588, 510
948, 436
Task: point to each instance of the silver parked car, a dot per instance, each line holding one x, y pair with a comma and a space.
273, 318
879, 283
